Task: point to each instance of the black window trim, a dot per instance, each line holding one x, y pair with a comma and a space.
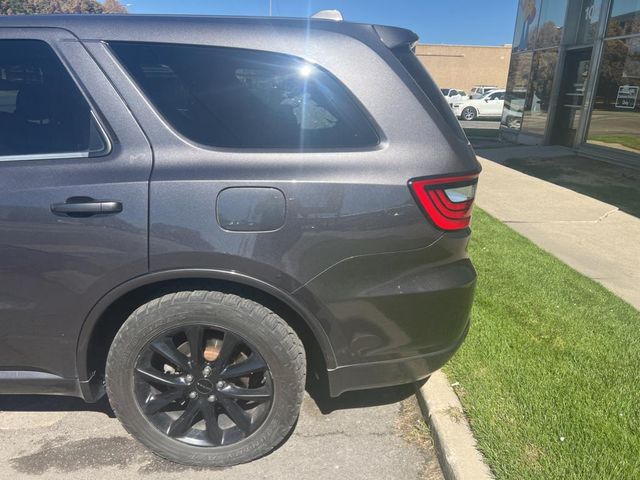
106, 139
380, 145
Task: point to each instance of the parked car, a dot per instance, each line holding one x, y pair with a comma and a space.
488, 106
453, 95
196, 218
479, 91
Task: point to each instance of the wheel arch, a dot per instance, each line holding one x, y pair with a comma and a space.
106, 317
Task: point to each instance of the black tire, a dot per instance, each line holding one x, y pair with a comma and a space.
242, 320
469, 114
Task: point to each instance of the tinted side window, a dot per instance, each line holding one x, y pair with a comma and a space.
227, 97
41, 109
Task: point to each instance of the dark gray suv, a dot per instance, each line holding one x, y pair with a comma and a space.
199, 213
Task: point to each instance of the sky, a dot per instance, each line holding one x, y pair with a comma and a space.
463, 22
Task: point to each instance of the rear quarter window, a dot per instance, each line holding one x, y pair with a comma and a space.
236, 98
421, 77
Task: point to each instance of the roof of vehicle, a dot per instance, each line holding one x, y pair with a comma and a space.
495, 90
119, 27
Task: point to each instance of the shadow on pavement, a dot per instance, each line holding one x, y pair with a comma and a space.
52, 403
482, 133
359, 399
613, 184
326, 404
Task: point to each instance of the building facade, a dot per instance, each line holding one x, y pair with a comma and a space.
463, 66
574, 77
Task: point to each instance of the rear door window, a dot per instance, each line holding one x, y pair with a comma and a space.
235, 98
42, 111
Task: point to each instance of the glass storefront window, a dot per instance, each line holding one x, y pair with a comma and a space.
526, 25
588, 24
571, 96
624, 18
539, 94
615, 121
551, 23
517, 84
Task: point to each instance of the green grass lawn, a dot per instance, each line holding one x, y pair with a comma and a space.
549, 375
624, 140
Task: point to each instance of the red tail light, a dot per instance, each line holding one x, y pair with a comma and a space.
447, 201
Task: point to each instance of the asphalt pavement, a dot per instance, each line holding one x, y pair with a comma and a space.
362, 438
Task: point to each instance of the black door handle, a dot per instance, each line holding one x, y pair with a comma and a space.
86, 207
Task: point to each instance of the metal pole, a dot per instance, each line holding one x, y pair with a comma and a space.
270, 7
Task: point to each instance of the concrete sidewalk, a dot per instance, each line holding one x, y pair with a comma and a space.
593, 237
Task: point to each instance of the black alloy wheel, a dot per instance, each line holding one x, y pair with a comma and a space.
203, 386
206, 378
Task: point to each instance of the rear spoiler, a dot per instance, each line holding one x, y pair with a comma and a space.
394, 37
391, 37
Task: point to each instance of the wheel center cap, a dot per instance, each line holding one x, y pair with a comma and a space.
204, 386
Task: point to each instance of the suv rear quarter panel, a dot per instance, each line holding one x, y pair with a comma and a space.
340, 205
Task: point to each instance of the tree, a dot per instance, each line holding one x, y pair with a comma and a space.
113, 6
22, 7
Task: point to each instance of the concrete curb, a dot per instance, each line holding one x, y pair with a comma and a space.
453, 440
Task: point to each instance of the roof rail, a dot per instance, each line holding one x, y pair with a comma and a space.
335, 15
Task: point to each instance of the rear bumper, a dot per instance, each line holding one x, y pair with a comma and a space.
391, 372
394, 318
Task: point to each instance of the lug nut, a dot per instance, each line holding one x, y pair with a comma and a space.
189, 378
193, 394
206, 371
221, 384
211, 398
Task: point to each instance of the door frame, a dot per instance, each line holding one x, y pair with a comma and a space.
558, 93
127, 161
592, 79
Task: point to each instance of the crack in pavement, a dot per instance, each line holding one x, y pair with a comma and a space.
344, 434
546, 222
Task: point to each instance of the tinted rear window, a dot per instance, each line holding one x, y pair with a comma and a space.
417, 71
235, 98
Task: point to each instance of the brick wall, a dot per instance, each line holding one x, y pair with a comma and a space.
462, 66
